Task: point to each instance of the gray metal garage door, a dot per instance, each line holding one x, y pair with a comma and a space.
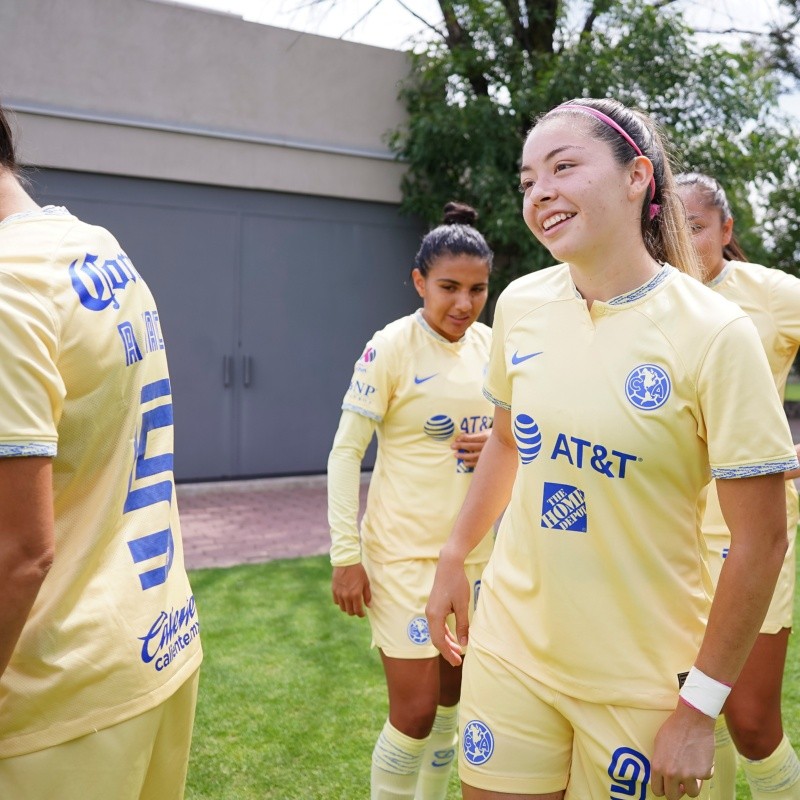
266, 301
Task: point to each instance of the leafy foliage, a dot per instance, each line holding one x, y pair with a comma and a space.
472, 96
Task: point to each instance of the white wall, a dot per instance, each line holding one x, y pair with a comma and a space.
134, 87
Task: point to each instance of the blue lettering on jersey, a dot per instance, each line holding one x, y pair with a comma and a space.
582, 453
647, 387
629, 771
475, 424
155, 341
529, 439
439, 427
478, 742
169, 634
563, 507
418, 630
97, 284
725, 551
142, 493
476, 591
129, 344
361, 388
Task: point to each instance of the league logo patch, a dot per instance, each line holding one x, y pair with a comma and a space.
418, 630
563, 508
630, 773
440, 427
648, 387
478, 742
370, 354
529, 439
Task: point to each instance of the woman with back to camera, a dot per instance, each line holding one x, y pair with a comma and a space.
418, 387
597, 665
752, 712
99, 635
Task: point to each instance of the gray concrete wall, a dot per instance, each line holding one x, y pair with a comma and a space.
141, 88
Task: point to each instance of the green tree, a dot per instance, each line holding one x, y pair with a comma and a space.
474, 90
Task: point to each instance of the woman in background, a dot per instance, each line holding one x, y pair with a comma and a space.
417, 386
752, 712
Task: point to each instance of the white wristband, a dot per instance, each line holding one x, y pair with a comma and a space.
703, 693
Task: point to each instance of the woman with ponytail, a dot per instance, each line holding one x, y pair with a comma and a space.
417, 386
597, 663
751, 721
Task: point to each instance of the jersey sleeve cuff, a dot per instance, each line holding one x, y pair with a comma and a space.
492, 399
754, 470
363, 412
27, 449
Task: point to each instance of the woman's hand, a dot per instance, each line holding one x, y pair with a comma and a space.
449, 595
351, 590
468, 446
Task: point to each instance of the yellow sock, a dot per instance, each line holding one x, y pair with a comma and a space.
437, 761
776, 777
395, 765
722, 785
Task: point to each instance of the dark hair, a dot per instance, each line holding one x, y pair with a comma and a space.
664, 233
714, 195
8, 158
456, 236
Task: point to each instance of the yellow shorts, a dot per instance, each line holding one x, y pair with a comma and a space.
781, 607
143, 758
400, 591
521, 737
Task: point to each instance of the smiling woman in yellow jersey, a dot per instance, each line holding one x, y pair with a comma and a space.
417, 386
597, 664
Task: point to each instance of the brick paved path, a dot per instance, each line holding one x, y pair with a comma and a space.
244, 522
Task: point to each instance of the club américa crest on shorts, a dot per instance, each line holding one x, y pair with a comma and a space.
477, 742
418, 631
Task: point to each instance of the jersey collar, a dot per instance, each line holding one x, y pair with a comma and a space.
44, 211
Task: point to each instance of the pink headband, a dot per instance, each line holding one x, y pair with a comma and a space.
654, 207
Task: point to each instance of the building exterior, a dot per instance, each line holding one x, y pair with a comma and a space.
244, 171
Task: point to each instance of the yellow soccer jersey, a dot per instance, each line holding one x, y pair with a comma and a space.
771, 298
83, 378
423, 391
598, 585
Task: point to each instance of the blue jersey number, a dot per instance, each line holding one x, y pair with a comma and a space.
159, 543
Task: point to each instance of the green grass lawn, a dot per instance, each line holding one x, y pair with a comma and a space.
793, 392
292, 698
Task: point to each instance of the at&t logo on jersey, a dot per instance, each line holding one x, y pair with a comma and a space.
647, 387
629, 771
528, 437
563, 508
440, 427
418, 631
582, 453
478, 742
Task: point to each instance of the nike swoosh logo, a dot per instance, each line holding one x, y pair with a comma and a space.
422, 380
518, 359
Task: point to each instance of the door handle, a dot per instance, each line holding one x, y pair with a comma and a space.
227, 370
247, 370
